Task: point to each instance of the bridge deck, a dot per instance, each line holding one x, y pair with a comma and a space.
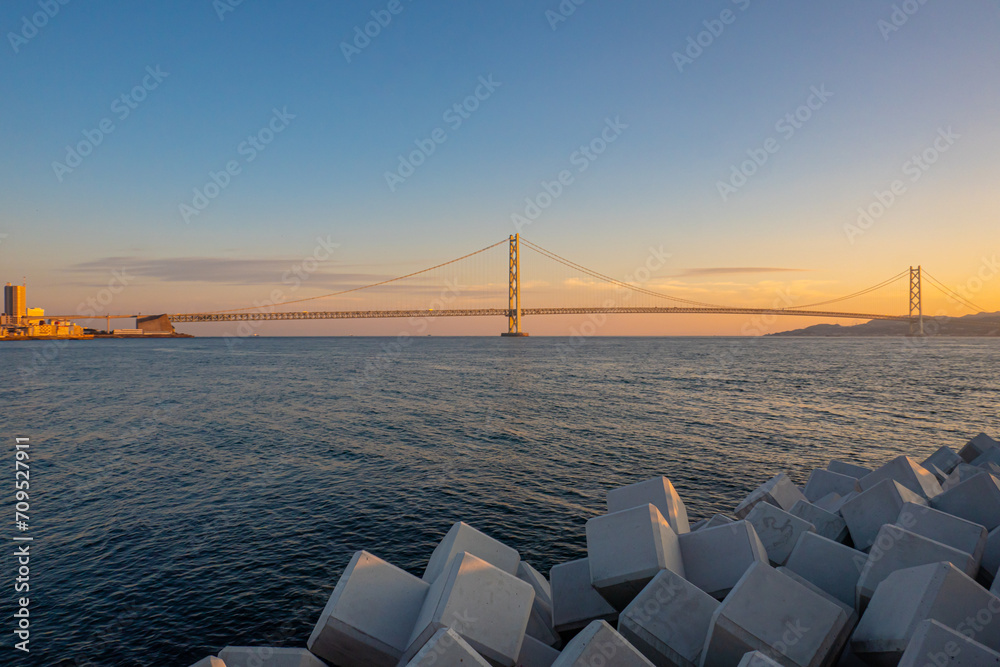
503, 312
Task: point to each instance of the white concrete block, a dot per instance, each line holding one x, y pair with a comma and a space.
848, 609
668, 621
977, 499
938, 475
977, 446
716, 558
827, 524
834, 502
831, 502
600, 644
265, 656
488, 607
991, 555
778, 491
823, 482
627, 549
961, 473
446, 647
991, 455
536, 654
907, 472
778, 530
210, 661
659, 493
543, 589
575, 602
774, 614
871, 509
716, 520
698, 524
540, 621
829, 565
945, 459
937, 591
464, 538
896, 548
370, 614
940, 646
757, 659
944, 528
850, 469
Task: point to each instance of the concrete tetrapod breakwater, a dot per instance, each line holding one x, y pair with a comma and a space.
893, 566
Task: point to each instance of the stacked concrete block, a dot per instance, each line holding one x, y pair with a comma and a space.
778, 491
599, 644
907, 472
778, 530
868, 511
961, 473
717, 558
944, 459
975, 447
977, 499
831, 502
849, 469
264, 656
669, 620
488, 607
848, 609
210, 661
940, 476
776, 615
823, 482
446, 647
717, 520
938, 645
536, 654
370, 614
991, 455
757, 659
907, 597
659, 493
826, 523
895, 549
991, 556
944, 528
627, 549
575, 602
540, 621
464, 538
829, 565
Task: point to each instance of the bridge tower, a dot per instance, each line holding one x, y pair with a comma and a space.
916, 303
514, 289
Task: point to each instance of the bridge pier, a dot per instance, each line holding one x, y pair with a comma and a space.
514, 290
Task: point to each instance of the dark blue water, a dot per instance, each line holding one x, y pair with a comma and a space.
188, 494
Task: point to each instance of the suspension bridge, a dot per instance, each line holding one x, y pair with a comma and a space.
582, 291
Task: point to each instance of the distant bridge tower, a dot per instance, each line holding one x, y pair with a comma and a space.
916, 303
514, 289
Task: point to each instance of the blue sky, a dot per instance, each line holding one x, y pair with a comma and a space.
891, 94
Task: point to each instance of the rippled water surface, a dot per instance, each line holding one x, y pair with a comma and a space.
188, 494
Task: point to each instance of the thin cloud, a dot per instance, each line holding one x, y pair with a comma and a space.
220, 270
734, 270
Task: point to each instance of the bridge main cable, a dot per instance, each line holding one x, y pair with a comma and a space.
600, 276
364, 287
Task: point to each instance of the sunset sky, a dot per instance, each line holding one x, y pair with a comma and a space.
115, 116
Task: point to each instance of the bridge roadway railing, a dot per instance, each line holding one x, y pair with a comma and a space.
503, 312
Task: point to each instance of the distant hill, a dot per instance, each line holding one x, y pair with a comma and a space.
983, 324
